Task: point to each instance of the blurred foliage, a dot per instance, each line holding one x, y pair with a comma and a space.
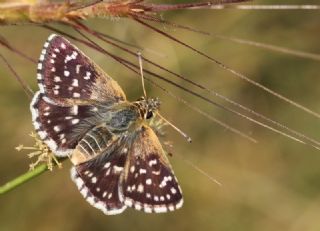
272, 185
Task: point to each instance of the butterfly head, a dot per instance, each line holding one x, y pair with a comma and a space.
148, 107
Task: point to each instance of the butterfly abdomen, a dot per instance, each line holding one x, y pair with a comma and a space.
94, 142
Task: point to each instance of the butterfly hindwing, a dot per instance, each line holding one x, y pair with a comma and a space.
64, 72
149, 183
99, 179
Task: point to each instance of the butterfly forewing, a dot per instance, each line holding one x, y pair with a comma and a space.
149, 183
64, 72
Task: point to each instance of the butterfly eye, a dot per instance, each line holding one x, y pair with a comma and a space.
149, 114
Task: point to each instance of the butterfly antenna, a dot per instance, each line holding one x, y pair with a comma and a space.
175, 128
141, 72
145, 95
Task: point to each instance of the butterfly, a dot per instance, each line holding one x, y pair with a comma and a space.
81, 112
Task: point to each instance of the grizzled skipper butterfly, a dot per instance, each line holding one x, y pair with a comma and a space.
82, 113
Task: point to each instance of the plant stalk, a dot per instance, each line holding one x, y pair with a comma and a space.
23, 178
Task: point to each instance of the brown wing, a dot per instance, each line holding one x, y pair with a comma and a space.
64, 72
99, 179
149, 183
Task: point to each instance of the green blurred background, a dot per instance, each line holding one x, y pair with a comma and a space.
272, 185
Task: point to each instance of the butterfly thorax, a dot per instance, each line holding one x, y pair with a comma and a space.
124, 116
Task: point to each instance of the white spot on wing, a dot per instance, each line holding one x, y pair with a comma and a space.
128, 202
179, 204
56, 128
156, 172
76, 95
148, 181
75, 121
66, 73
147, 209
78, 68
117, 168
94, 180
171, 207
57, 79
107, 165
137, 206
42, 134
87, 76
160, 209
75, 109
75, 83
152, 162
140, 188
